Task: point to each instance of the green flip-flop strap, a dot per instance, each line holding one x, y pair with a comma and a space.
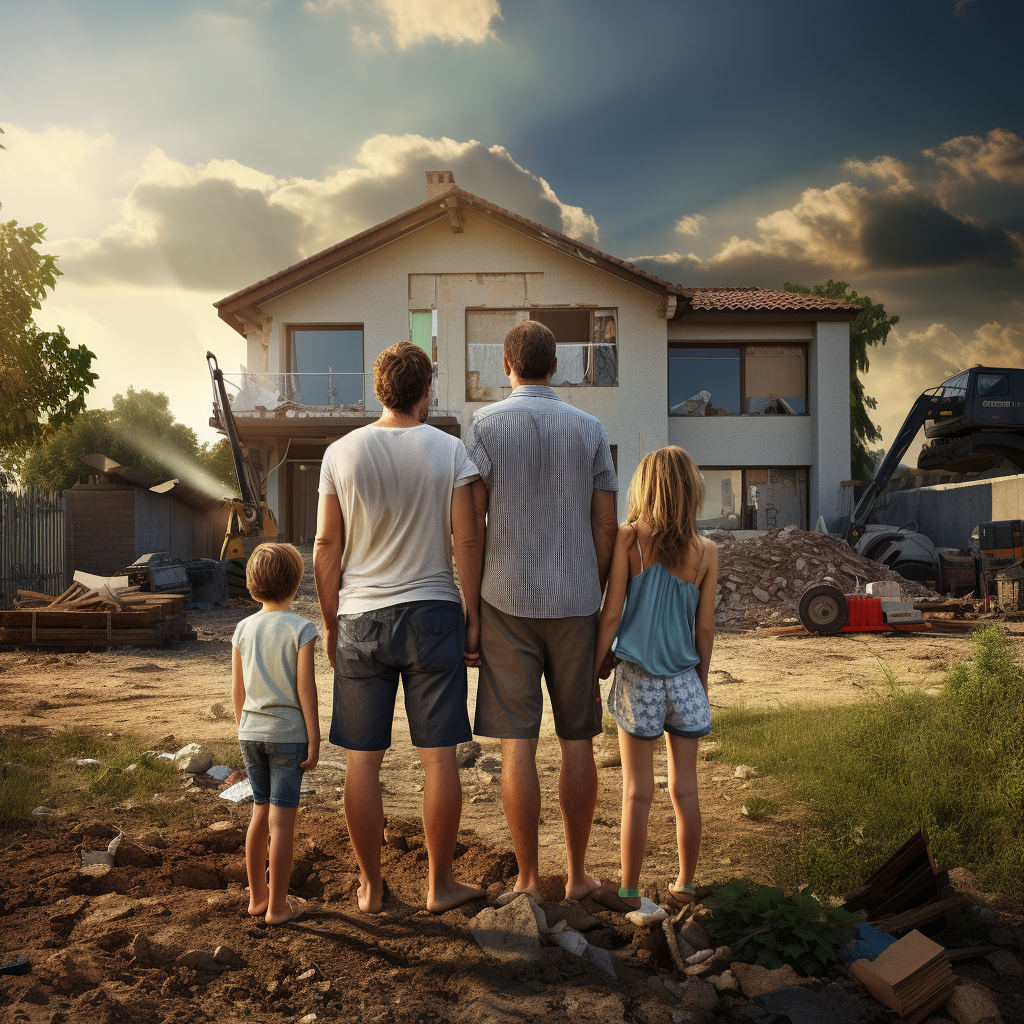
628, 894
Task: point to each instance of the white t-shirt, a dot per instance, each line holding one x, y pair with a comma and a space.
394, 485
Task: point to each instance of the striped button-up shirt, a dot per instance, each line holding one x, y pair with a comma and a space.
541, 459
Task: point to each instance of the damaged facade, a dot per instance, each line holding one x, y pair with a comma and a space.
753, 382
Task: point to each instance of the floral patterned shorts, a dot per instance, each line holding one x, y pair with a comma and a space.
646, 706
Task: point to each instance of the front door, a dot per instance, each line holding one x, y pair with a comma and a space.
993, 399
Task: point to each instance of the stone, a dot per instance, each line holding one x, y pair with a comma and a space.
199, 960
94, 872
307, 975
972, 1003
222, 901
698, 995
467, 753
1000, 937
573, 915
194, 759
510, 933
802, 1006
73, 968
755, 980
227, 957
1005, 964
700, 956
780, 582
221, 826
569, 940
674, 990
647, 913
166, 741
660, 781
602, 960
693, 934
801, 564
725, 982
744, 771
309, 1018
760, 594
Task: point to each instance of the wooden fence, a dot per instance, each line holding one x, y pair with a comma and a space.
34, 543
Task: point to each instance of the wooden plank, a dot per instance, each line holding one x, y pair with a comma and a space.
969, 952
67, 593
86, 619
911, 919
34, 595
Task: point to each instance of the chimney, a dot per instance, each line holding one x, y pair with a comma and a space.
439, 182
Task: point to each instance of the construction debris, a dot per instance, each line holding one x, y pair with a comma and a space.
84, 616
761, 579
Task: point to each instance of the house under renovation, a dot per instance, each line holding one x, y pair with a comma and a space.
753, 382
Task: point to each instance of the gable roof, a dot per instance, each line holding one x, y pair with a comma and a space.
240, 305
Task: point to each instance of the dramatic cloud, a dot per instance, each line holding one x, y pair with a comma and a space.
910, 219
222, 225
418, 21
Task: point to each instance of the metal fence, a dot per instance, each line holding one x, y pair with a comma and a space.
34, 548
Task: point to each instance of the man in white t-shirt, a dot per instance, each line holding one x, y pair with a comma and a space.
393, 495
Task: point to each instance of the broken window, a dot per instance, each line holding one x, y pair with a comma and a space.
586, 341
325, 365
754, 498
737, 380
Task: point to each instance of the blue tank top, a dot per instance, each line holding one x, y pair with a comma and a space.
656, 629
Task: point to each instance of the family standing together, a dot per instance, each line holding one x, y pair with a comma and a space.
526, 509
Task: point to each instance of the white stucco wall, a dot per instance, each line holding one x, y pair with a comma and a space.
829, 376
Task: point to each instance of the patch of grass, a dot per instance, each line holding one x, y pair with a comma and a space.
757, 808
872, 773
42, 775
609, 726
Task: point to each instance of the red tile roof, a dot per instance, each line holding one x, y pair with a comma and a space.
752, 298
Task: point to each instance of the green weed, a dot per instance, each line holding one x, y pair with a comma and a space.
757, 808
872, 773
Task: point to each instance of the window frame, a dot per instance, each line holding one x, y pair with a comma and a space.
743, 470
741, 345
589, 308
289, 331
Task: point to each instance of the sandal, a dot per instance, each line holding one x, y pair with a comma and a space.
297, 906
680, 898
617, 901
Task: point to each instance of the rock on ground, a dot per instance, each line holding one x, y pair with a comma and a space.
972, 1003
755, 980
194, 759
510, 933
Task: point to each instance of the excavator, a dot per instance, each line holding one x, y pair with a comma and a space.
972, 422
250, 515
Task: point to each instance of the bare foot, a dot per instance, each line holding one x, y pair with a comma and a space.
370, 897
454, 895
294, 908
258, 907
580, 888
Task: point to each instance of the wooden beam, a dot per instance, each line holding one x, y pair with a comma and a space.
454, 217
668, 307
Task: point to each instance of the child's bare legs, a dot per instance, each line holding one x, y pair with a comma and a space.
282, 849
364, 813
637, 794
442, 811
682, 783
256, 859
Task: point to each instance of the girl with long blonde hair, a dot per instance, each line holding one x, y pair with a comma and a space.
659, 619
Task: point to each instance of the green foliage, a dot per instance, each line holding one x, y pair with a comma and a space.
871, 327
759, 807
778, 929
873, 772
43, 378
140, 430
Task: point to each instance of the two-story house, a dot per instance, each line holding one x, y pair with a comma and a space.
754, 383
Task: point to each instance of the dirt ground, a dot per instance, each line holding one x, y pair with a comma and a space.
82, 936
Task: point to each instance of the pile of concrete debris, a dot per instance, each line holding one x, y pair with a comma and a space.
761, 579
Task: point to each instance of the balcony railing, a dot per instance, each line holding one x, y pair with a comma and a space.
327, 394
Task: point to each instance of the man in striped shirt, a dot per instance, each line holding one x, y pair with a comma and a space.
551, 528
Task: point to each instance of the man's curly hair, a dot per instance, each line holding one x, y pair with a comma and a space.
401, 374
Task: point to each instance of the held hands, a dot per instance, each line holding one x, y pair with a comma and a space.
609, 662
472, 653
314, 756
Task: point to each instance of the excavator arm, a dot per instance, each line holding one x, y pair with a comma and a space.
928, 406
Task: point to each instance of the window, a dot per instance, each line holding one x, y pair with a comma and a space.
991, 384
755, 498
737, 380
325, 365
586, 346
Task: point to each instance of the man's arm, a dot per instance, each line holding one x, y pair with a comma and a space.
327, 550
468, 544
605, 527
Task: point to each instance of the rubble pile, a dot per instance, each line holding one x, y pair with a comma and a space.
761, 579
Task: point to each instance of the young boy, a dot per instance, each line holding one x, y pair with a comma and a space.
274, 692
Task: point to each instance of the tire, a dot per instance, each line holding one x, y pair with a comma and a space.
824, 609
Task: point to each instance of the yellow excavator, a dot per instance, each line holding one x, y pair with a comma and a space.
250, 515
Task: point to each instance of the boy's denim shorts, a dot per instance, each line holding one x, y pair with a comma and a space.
274, 771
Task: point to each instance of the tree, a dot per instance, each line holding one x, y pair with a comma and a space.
140, 430
871, 327
43, 378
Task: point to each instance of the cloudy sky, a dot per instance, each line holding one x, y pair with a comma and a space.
181, 150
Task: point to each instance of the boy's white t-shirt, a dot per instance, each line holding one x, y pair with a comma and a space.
394, 485
269, 643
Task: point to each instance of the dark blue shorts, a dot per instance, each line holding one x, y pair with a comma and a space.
424, 643
274, 771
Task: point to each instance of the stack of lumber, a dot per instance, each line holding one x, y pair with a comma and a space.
95, 617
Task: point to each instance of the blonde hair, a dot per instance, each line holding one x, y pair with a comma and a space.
274, 572
667, 493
